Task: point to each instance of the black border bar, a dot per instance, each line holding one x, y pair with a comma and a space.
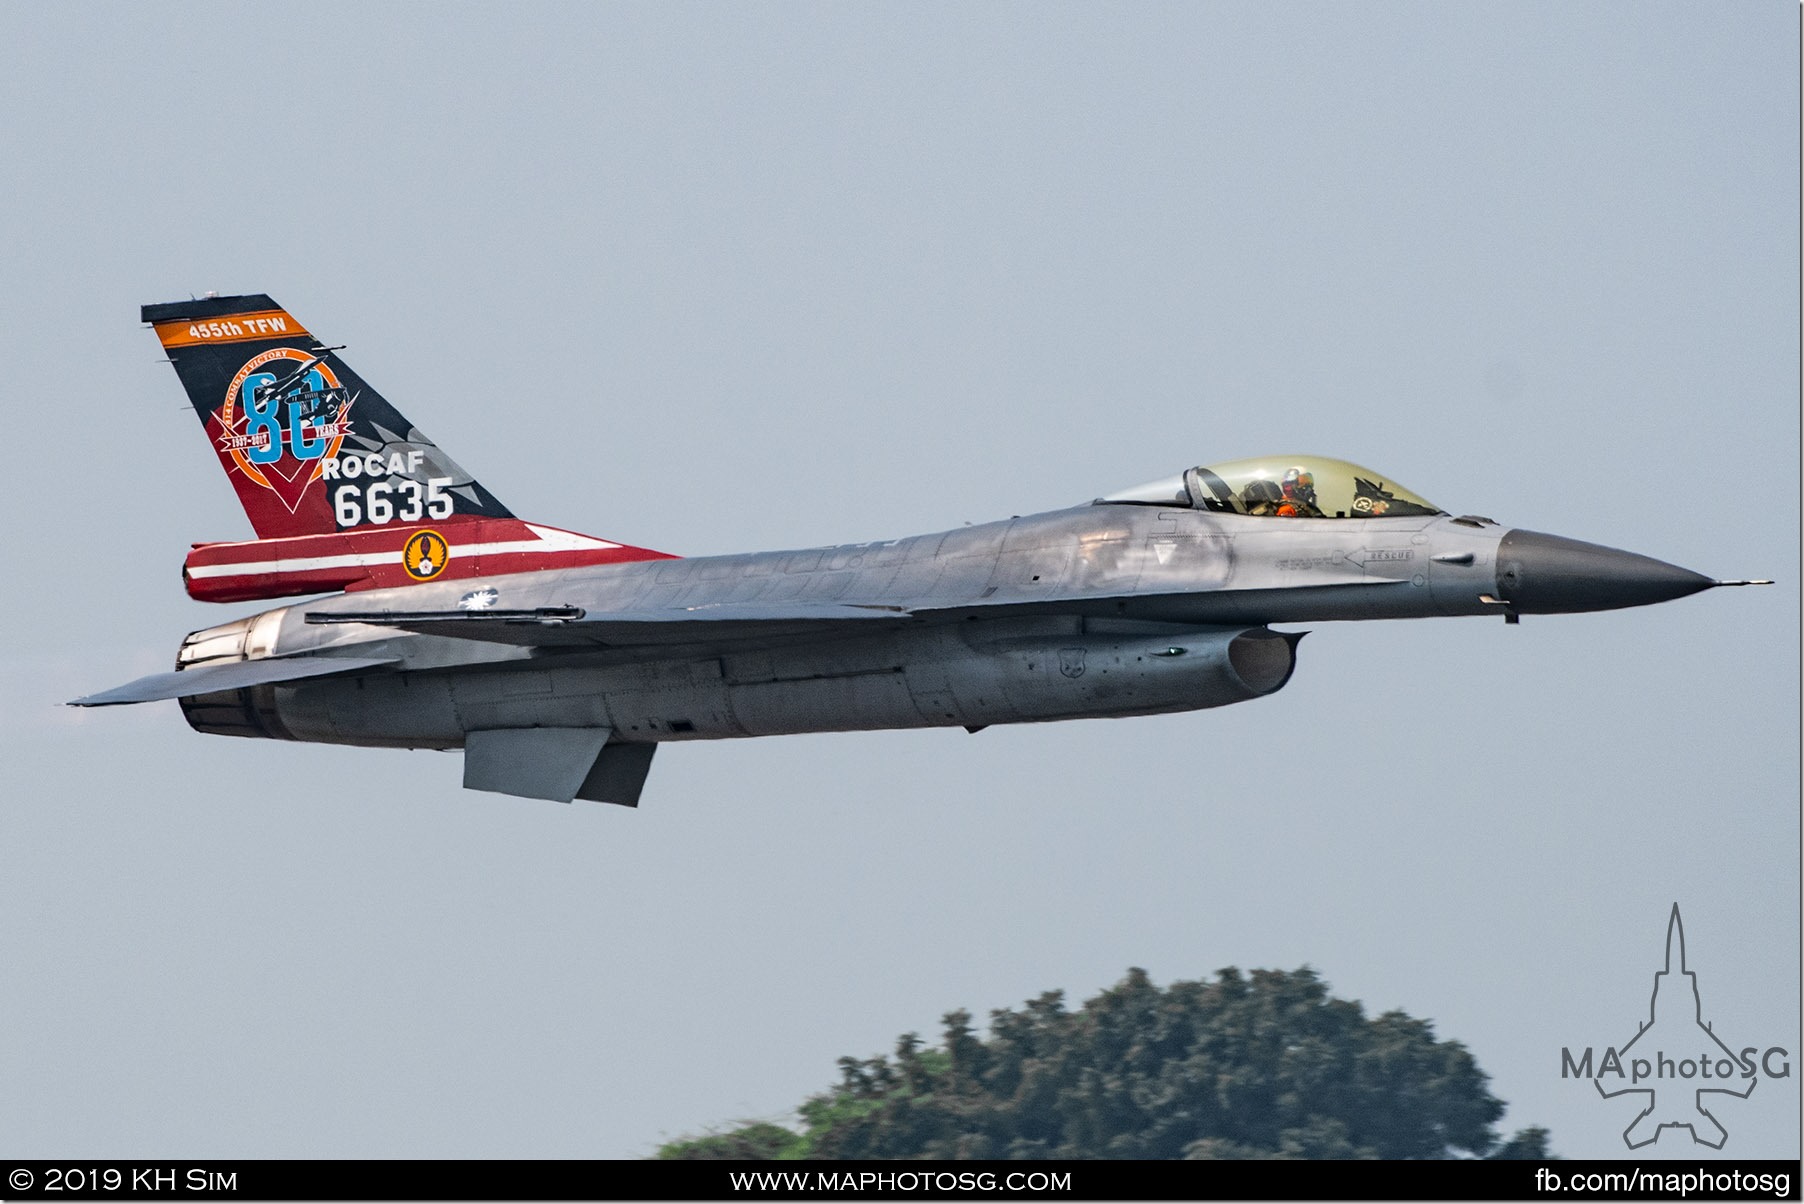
406, 1180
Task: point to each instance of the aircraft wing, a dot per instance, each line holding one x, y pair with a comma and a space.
571, 627
209, 679
731, 624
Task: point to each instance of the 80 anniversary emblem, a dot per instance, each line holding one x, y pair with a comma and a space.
284, 414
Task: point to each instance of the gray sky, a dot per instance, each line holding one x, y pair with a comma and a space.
717, 278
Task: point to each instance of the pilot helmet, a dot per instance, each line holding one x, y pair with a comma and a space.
1299, 484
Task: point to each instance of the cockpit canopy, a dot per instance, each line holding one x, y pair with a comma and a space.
1281, 487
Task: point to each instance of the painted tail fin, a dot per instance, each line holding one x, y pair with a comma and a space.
342, 490
310, 447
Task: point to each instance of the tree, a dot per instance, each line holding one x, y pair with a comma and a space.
1259, 1065
759, 1139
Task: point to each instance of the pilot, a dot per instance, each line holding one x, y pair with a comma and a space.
1299, 495
1262, 498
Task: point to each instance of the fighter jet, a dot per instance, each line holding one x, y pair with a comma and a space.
559, 662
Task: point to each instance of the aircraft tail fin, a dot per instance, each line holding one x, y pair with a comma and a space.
310, 447
342, 490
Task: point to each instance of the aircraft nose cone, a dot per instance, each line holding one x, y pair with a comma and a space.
1548, 574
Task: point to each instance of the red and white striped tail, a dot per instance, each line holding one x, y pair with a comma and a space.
381, 557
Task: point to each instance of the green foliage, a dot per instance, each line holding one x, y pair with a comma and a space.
1260, 1065
1529, 1143
758, 1140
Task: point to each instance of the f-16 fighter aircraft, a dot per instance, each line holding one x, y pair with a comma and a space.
559, 662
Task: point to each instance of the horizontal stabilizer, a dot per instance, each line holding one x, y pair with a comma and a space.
397, 554
210, 679
571, 627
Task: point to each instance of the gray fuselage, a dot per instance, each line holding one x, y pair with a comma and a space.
1099, 610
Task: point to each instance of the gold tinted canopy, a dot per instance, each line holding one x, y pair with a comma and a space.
1284, 487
